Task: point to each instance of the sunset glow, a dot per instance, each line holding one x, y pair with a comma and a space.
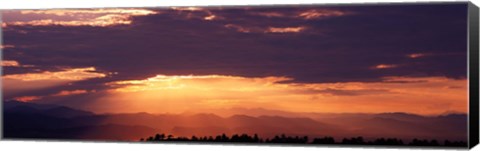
73, 92
313, 71
28, 98
217, 91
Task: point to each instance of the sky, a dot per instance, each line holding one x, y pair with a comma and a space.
333, 59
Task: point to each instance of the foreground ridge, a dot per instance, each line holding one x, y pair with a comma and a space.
283, 139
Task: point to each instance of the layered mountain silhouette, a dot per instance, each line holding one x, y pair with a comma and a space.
30, 120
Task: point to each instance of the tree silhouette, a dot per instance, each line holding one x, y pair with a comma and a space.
354, 141
325, 140
245, 138
159, 137
455, 143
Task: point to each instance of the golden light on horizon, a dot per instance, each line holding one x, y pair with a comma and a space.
179, 93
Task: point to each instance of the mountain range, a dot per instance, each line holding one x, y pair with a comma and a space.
45, 121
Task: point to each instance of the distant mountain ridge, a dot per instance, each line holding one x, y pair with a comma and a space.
30, 120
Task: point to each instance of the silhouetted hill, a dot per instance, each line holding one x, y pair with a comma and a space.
398, 124
47, 121
13, 103
30, 120
112, 132
46, 109
66, 112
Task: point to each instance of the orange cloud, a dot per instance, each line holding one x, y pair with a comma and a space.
73, 92
74, 74
59, 94
13, 63
385, 66
87, 17
10, 63
210, 17
178, 93
6, 46
27, 98
15, 83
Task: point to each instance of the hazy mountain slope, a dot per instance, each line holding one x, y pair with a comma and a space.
23, 120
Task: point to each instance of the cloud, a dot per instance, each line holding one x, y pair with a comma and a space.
6, 46
308, 14
210, 17
238, 28
10, 63
196, 12
416, 55
198, 82
269, 14
321, 13
385, 66
285, 29
67, 74
72, 92
13, 63
18, 83
62, 93
176, 93
329, 50
187, 8
243, 29
28, 98
340, 92
84, 17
